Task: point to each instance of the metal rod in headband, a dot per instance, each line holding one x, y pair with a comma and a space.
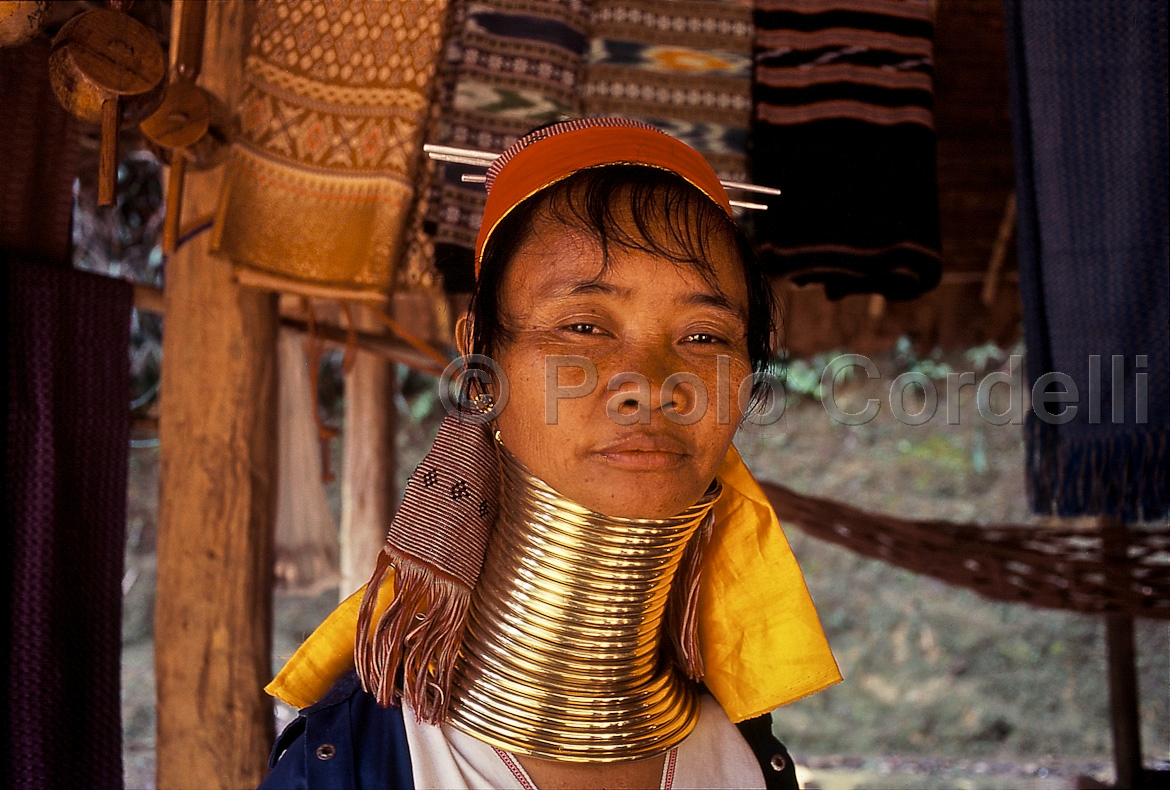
470, 156
750, 187
747, 205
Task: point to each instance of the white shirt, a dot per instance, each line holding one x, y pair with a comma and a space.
713, 756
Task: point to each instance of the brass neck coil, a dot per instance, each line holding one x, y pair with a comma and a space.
562, 654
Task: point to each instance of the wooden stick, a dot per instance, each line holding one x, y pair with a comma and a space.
170, 238
381, 345
999, 250
189, 51
148, 298
1124, 714
108, 156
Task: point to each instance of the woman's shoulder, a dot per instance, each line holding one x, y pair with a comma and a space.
345, 732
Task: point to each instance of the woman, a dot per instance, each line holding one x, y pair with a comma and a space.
574, 556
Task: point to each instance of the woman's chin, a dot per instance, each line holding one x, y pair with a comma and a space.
637, 492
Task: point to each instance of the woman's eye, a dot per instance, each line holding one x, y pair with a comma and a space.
582, 328
701, 337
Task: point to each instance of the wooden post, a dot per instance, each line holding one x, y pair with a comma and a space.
1123, 701
1122, 667
369, 464
213, 624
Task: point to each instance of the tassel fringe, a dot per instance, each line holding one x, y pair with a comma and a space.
682, 619
1123, 475
411, 652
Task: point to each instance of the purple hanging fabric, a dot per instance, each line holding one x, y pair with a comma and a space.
1089, 121
66, 456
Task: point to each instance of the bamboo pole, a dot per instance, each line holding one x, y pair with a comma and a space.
213, 625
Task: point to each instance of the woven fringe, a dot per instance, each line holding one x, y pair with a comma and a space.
682, 616
1123, 476
411, 654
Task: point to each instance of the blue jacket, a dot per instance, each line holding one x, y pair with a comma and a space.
347, 741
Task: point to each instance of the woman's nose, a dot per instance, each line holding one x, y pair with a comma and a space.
653, 381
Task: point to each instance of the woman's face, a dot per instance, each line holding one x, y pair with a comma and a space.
612, 445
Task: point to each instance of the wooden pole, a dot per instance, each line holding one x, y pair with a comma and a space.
213, 624
1122, 667
1123, 701
369, 462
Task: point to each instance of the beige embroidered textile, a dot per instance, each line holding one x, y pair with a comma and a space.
319, 187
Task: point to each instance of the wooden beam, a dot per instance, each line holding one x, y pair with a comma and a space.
213, 624
377, 342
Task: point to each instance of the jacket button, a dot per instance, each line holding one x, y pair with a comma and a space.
326, 751
778, 761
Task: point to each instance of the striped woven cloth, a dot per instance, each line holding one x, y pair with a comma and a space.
843, 123
683, 66
511, 65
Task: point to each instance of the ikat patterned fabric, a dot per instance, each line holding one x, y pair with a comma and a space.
843, 124
684, 66
319, 186
510, 66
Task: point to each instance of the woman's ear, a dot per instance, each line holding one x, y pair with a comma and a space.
463, 327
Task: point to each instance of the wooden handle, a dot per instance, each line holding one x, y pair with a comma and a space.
189, 53
170, 239
108, 155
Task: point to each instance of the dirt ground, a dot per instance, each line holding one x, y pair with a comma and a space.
942, 688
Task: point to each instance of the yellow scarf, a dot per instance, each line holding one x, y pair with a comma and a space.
759, 634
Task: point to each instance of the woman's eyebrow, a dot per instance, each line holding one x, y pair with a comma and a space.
714, 299
597, 287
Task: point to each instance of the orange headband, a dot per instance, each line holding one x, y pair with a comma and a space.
549, 155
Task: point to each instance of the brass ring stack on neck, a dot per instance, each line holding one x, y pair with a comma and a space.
563, 657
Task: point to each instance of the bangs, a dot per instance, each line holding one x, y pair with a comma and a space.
640, 208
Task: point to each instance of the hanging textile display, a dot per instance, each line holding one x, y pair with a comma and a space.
67, 458
683, 66
319, 185
1089, 122
843, 124
511, 65
40, 149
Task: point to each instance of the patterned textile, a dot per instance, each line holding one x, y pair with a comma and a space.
433, 555
1089, 121
39, 150
511, 65
319, 187
844, 125
66, 464
683, 66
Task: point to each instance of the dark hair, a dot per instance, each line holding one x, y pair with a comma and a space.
603, 201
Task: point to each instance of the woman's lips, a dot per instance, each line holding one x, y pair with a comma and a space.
644, 452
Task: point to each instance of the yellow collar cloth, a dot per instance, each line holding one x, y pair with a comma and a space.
759, 634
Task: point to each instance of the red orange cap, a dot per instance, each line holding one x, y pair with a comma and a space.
546, 156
